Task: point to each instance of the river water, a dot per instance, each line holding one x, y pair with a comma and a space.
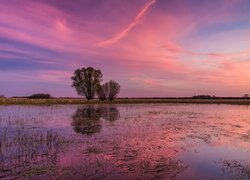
132, 141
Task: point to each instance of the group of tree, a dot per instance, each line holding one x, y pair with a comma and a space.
204, 97
245, 96
40, 96
87, 82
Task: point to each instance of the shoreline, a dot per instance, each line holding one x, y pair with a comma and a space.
54, 101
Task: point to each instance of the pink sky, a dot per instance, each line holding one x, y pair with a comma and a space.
151, 47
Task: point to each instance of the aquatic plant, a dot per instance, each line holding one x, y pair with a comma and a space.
25, 152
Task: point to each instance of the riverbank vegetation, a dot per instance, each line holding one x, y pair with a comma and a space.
27, 101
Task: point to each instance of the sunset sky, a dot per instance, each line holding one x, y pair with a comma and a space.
151, 47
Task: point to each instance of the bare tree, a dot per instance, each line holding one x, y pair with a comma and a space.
103, 91
246, 96
86, 81
114, 89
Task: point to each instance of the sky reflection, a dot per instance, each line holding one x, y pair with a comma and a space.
140, 140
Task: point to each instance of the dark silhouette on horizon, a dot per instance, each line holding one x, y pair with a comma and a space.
87, 82
108, 90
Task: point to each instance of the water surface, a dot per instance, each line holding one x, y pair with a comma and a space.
140, 141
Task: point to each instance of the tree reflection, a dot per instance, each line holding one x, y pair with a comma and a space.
110, 113
86, 119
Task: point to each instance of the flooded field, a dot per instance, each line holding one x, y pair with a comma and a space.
140, 141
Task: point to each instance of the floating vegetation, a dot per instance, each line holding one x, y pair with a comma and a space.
92, 150
235, 169
162, 168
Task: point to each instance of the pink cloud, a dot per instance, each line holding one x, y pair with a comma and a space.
160, 47
124, 33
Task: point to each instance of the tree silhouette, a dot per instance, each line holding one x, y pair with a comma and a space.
103, 91
114, 89
86, 81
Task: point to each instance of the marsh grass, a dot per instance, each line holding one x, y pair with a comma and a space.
26, 101
28, 154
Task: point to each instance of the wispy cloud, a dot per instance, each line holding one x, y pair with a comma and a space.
124, 33
171, 48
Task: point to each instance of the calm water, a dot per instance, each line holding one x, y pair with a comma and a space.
146, 141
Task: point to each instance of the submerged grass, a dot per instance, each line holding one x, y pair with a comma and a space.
26, 101
28, 153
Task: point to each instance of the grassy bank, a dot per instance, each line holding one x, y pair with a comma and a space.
25, 101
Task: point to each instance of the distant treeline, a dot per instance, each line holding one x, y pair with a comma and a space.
204, 97
193, 97
48, 96
36, 96
40, 96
